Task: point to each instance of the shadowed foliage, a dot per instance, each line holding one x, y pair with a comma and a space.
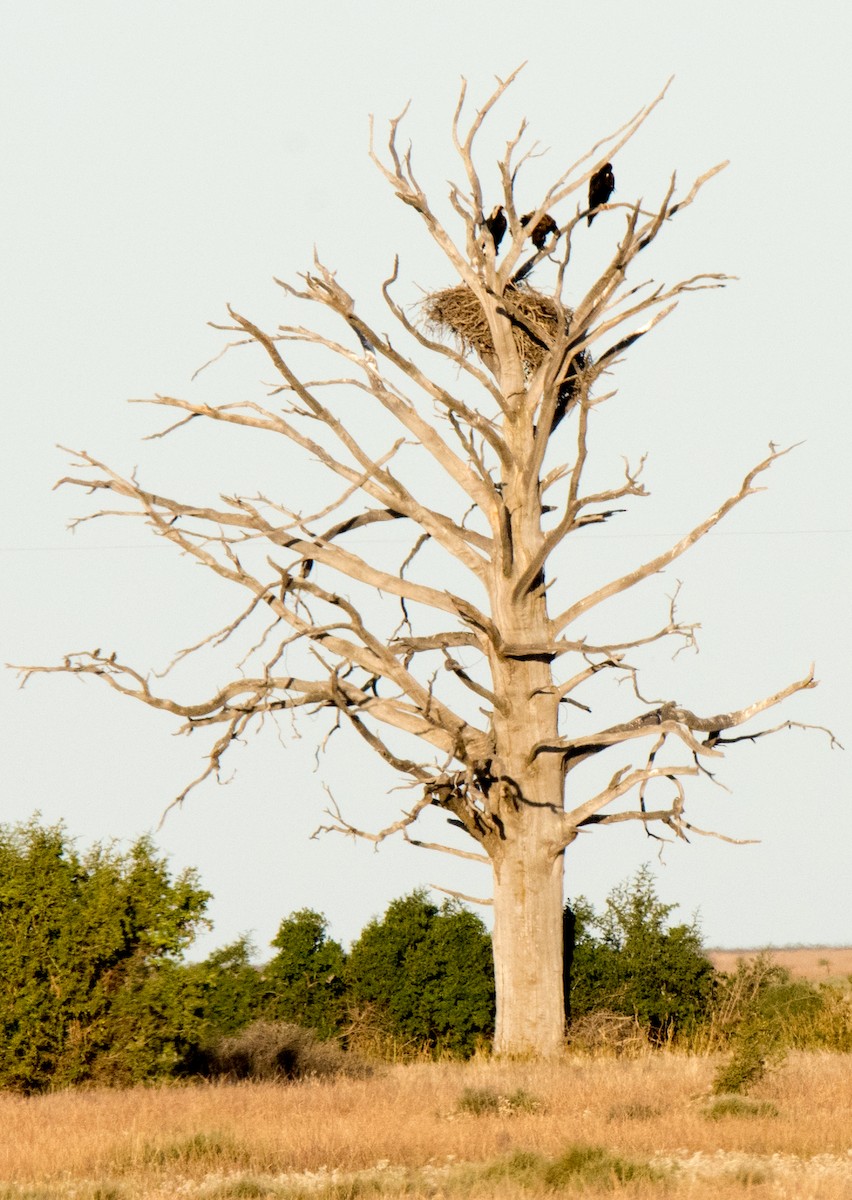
89, 945
429, 973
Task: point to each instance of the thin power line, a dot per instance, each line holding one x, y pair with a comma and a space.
750, 533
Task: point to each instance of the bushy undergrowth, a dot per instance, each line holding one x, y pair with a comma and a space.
796, 1013
759, 1013
635, 979
94, 988
425, 975
275, 1050
631, 962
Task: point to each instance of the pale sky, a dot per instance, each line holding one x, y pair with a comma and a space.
162, 159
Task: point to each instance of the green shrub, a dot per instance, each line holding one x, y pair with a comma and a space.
628, 960
193, 1149
245, 1188
577, 1168
224, 992
592, 1165
426, 975
829, 1028
480, 1102
301, 985
739, 1106
522, 1101
759, 1012
89, 946
304, 983
752, 1052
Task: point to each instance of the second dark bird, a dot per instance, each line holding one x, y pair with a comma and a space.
496, 225
601, 187
543, 229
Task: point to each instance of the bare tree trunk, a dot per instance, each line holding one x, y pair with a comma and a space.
528, 854
528, 947
479, 677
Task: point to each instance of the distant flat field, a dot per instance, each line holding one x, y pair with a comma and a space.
804, 962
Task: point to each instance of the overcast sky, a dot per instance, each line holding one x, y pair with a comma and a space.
161, 159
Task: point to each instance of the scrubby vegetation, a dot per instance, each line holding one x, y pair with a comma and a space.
274, 1051
95, 988
628, 960
91, 989
760, 1013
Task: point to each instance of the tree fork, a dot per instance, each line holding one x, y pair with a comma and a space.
481, 667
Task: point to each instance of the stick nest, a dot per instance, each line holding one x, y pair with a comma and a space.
535, 321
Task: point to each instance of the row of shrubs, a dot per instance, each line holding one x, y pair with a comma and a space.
95, 986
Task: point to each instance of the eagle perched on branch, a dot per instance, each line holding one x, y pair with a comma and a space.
543, 229
496, 225
601, 187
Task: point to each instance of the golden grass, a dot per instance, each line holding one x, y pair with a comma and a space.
407, 1131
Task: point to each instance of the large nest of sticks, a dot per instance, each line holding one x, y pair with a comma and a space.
535, 321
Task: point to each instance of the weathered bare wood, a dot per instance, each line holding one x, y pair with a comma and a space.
455, 665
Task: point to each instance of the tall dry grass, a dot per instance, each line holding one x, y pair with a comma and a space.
409, 1128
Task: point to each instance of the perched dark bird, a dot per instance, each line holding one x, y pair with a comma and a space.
601, 187
496, 225
543, 229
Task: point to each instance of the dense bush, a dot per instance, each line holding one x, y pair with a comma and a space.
425, 974
304, 983
629, 961
226, 989
88, 949
216, 998
419, 977
94, 988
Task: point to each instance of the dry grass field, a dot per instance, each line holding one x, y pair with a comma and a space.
832, 964
643, 1127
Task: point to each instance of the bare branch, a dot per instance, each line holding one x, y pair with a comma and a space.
343, 826
834, 744
483, 737
656, 564
620, 785
453, 850
485, 901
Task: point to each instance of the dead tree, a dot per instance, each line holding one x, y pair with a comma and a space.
487, 663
